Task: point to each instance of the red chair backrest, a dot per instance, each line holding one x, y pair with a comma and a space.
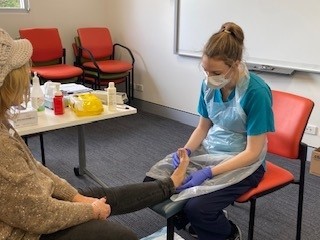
291, 115
97, 40
46, 43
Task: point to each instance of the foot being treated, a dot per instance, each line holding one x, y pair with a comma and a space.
180, 172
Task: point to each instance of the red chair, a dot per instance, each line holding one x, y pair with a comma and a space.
291, 113
97, 57
49, 57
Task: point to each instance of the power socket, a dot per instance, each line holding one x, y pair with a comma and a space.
311, 129
138, 87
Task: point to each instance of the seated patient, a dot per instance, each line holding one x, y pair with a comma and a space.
37, 204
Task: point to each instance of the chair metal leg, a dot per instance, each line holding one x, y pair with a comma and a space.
170, 229
299, 220
303, 150
127, 88
132, 84
126, 85
251, 220
300, 201
79, 80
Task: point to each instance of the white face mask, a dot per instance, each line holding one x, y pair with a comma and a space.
217, 81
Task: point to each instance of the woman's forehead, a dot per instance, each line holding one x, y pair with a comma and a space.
212, 64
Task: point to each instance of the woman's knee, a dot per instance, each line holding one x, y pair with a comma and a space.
114, 231
194, 208
126, 234
94, 230
199, 208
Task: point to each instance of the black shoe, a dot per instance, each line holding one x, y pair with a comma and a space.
180, 221
235, 232
191, 231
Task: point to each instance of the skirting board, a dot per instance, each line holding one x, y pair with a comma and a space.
167, 112
178, 115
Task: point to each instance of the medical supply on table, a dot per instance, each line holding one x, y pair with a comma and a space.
36, 95
102, 95
50, 88
74, 88
121, 97
58, 104
122, 107
85, 104
111, 96
27, 116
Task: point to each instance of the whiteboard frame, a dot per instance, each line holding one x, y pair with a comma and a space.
277, 67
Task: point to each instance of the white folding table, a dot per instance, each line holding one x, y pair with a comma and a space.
47, 121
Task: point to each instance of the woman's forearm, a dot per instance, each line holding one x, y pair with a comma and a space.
255, 145
196, 139
199, 134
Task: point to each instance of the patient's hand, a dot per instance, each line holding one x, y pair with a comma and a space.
101, 210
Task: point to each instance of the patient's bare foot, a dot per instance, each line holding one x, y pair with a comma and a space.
179, 174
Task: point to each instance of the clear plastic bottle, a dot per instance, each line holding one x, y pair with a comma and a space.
58, 104
112, 97
36, 95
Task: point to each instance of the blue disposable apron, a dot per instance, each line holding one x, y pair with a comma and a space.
225, 139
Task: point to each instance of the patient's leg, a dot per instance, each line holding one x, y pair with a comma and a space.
133, 197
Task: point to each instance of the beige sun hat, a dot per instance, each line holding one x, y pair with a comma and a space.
13, 54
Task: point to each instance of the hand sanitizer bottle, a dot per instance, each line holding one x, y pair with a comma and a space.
36, 95
111, 96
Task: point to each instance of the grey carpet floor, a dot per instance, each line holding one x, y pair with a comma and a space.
120, 151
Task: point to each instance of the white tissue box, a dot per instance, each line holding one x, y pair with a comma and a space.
24, 117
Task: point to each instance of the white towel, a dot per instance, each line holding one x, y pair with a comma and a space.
161, 235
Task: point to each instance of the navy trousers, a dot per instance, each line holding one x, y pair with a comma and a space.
205, 212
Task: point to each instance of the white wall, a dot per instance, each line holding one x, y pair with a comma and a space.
147, 27
174, 81
67, 16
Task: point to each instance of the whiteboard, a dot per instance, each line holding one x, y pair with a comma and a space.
279, 33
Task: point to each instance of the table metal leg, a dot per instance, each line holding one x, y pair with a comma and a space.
43, 156
82, 169
81, 149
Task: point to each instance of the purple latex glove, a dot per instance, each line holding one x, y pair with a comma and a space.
196, 179
176, 158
